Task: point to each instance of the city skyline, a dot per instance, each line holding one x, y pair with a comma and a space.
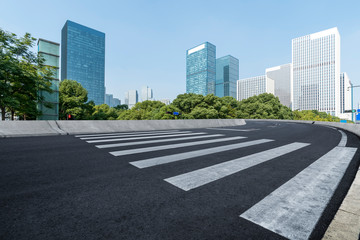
258, 44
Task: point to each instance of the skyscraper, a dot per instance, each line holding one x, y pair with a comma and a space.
50, 52
146, 93
201, 69
227, 73
282, 76
131, 98
316, 72
83, 59
249, 87
109, 100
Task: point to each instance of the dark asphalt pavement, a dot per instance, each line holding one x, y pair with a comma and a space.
62, 187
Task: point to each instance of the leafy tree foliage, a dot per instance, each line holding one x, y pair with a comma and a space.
314, 115
22, 75
263, 106
72, 100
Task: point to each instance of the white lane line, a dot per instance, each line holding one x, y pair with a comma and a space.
157, 141
132, 135
137, 138
120, 133
192, 154
197, 178
343, 140
179, 145
235, 130
293, 209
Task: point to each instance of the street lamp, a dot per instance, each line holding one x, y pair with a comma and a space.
352, 99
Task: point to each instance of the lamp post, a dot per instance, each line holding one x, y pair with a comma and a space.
352, 99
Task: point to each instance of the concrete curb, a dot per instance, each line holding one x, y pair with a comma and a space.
346, 223
51, 128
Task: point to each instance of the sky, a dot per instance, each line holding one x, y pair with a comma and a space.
146, 41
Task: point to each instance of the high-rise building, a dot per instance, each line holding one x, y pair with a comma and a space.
117, 102
131, 98
109, 100
146, 93
83, 59
249, 87
282, 76
201, 69
227, 73
50, 52
316, 72
345, 96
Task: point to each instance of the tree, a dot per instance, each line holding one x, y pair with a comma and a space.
263, 106
72, 99
22, 75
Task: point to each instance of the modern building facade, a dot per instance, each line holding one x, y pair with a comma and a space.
345, 96
201, 69
111, 101
165, 101
282, 77
83, 59
227, 73
49, 51
249, 87
116, 102
316, 72
131, 98
146, 93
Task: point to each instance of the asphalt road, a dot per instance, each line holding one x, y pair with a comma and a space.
263, 180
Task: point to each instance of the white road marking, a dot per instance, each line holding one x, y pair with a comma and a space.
157, 141
343, 140
294, 208
120, 133
133, 135
179, 145
138, 138
235, 130
197, 178
192, 154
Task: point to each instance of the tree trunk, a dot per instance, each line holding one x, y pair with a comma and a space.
3, 114
24, 117
12, 115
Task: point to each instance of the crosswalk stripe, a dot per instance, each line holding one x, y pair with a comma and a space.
235, 130
138, 138
192, 154
119, 133
157, 141
163, 147
133, 135
294, 208
197, 178
343, 140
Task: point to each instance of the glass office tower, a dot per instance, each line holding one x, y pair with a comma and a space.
227, 73
50, 52
83, 59
201, 69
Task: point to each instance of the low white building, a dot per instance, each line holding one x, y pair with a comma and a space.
249, 87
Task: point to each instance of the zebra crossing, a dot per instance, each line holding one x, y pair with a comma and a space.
292, 210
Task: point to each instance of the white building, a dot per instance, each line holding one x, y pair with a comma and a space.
316, 72
131, 98
165, 101
345, 96
146, 93
249, 87
282, 77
